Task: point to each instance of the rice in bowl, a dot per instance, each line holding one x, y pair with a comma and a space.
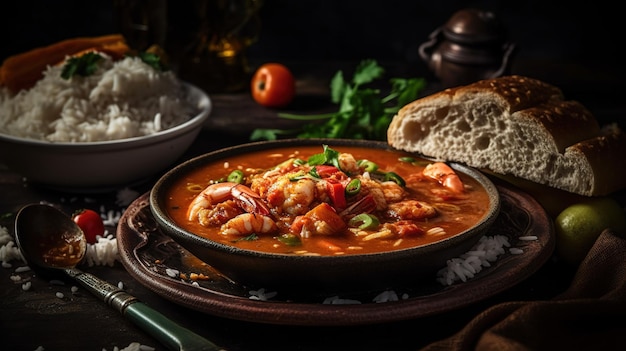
122, 99
119, 126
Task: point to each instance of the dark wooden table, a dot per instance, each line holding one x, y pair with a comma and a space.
80, 321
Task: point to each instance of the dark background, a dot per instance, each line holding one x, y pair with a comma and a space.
353, 29
554, 40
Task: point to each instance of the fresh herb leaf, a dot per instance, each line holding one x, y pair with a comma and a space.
330, 156
366, 72
84, 65
153, 60
362, 112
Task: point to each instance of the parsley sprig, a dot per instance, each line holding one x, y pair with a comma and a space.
84, 65
363, 113
87, 64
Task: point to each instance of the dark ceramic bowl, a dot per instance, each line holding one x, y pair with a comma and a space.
319, 273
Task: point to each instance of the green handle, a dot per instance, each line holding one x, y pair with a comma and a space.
149, 320
166, 331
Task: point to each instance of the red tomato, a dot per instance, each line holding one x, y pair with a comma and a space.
90, 222
273, 85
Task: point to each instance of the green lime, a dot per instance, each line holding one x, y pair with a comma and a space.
579, 225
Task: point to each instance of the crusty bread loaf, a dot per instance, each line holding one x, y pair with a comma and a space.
518, 126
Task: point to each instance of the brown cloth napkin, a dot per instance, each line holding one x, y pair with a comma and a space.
589, 315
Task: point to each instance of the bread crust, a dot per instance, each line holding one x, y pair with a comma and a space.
518, 126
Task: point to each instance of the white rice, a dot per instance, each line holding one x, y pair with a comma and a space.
123, 99
261, 294
103, 252
336, 300
472, 262
9, 251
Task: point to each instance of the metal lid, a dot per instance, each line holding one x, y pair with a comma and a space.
473, 26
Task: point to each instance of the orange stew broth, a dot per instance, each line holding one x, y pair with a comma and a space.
455, 215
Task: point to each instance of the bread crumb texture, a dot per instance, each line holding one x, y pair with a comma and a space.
511, 125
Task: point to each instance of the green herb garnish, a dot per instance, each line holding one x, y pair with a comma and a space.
153, 60
362, 114
329, 157
84, 65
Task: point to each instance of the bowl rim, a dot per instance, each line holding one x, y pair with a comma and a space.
203, 108
161, 185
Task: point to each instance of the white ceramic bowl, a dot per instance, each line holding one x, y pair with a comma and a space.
105, 165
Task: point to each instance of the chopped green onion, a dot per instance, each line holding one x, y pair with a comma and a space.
367, 166
353, 187
364, 221
289, 239
413, 161
394, 177
235, 176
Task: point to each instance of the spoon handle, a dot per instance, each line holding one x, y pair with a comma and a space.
172, 335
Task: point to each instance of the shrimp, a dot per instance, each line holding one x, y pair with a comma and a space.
217, 193
348, 163
291, 197
375, 189
410, 209
218, 214
392, 191
249, 223
321, 220
445, 175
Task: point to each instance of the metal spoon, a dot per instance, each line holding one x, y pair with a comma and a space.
52, 241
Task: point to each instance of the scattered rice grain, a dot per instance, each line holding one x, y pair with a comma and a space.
22, 269
386, 296
528, 238
473, 261
102, 253
261, 294
172, 272
336, 300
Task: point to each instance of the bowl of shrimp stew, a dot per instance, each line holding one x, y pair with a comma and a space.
329, 215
